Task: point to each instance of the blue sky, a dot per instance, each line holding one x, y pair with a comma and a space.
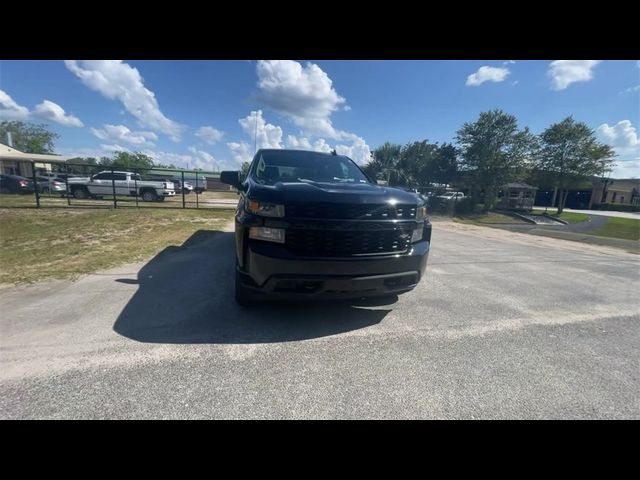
204, 114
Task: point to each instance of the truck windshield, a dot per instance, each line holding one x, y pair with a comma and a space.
300, 166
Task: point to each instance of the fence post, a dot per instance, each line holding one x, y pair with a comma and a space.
66, 184
182, 188
135, 183
197, 194
35, 183
113, 187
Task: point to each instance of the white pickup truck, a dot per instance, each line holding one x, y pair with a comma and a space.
125, 183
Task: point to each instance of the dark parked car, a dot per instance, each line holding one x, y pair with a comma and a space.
15, 184
312, 224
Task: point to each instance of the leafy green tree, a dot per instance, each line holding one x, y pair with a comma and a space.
28, 137
495, 151
80, 165
137, 161
384, 164
570, 152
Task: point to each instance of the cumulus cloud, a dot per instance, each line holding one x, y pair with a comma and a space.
304, 94
209, 134
565, 72
122, 133
358, 151
48, 110
266, 134
303, 143
110, 148
10, 110
117, 80
487, 74
240, 152
622, 136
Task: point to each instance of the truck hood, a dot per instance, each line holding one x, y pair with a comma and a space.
363, 193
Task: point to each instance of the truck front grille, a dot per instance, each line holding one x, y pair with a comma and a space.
395, 238
350, 212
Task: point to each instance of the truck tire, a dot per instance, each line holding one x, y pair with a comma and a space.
161, 199
149, 196
242, 293
81, 193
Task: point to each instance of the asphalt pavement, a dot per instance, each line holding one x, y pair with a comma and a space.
504, 325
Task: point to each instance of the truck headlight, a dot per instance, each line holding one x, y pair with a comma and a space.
265, 209
421, 213
268, 234
417, 235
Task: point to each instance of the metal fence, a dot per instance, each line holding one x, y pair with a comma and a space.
193, 188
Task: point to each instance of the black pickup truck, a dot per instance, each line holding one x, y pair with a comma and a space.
312, 224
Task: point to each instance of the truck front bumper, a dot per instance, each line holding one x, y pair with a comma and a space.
273, 271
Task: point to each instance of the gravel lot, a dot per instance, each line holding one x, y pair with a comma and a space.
505, 325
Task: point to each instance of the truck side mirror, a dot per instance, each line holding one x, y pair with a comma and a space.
231, 178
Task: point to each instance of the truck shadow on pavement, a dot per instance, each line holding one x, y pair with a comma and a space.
185, 295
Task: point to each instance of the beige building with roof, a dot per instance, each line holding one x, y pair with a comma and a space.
15, 162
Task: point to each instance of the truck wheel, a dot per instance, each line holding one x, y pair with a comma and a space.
161, 199
242, 294
149, 196
80, 193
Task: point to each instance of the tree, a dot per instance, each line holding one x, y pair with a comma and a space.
384, 164
570, 151
423, 162
494, 151
28, 137
81, 165
129, 161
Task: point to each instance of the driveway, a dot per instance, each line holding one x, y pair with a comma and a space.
505, 325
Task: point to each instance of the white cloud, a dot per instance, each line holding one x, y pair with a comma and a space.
508, 62
117, 80
110, 148
487, 74
266, 134
48, 110
304, 94
565, 72
203, 160
622, 137
122, 133
209, 134
631, 89
10, 110
358, 151
626, 169
303, 143
240, 152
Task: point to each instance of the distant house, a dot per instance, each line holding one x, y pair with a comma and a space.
616, 191
15, 162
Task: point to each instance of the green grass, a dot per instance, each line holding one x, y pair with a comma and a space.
489, 219
40, 244
625, 228
569, 217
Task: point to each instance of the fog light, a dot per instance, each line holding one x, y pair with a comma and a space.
417, 235
267, 234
